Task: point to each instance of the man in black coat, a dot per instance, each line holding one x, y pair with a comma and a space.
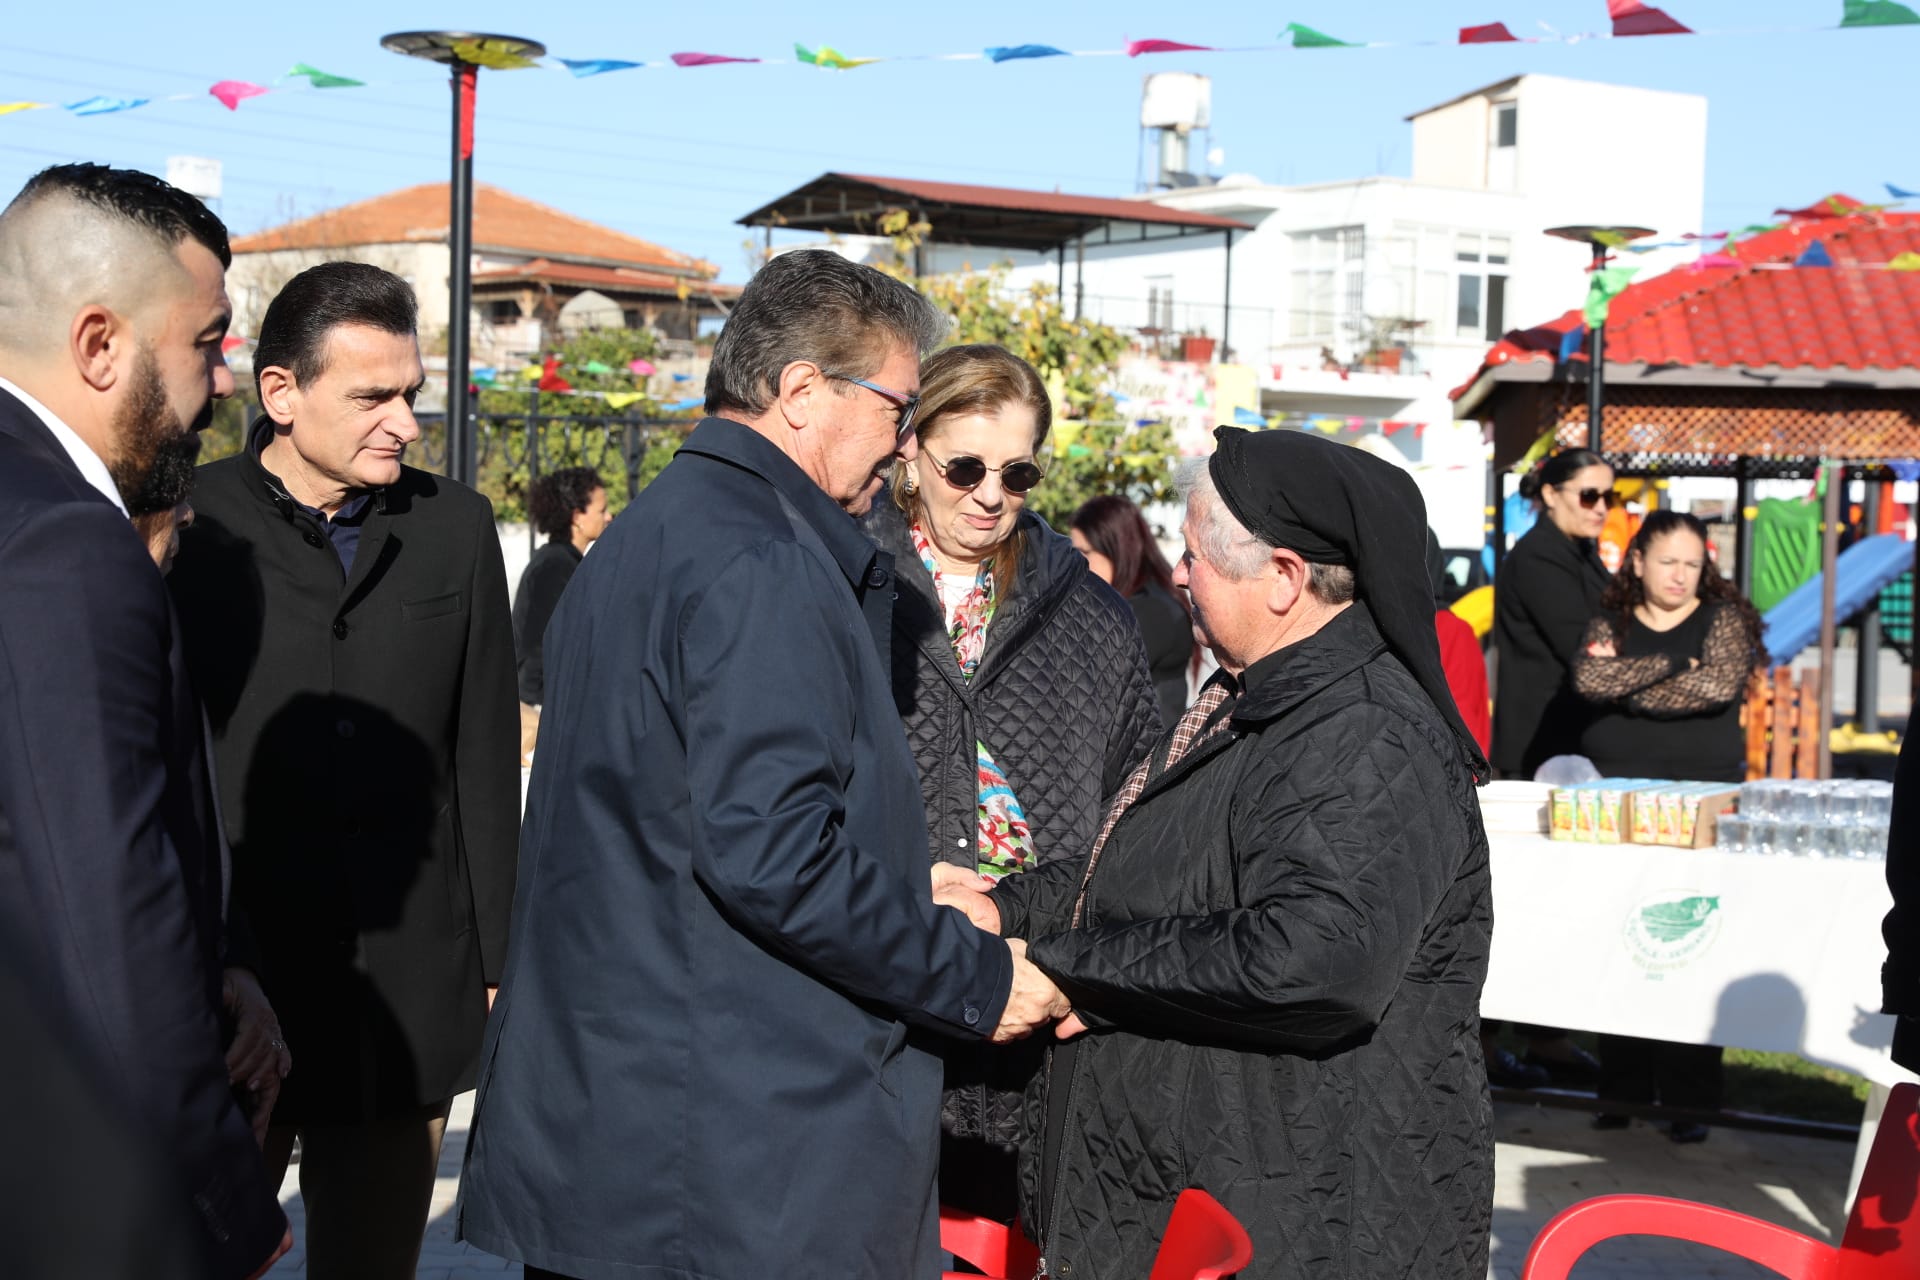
1900, 976
700, 1067
112, 891
347, 621
1276, 946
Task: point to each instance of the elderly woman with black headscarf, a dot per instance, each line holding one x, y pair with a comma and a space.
1275, 947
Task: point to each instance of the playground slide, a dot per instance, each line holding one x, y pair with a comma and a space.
1862, 570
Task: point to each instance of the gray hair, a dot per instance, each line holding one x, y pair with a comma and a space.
1238, 553
814, 305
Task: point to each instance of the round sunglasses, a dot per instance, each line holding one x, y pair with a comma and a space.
1589, 498
966, 472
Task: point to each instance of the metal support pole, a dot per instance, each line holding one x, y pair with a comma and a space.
462, 464
1866, 675
1060, 286
1226, 302
533, 460
1497, 513
1597, 370
1829, 555
1743, 514
1079, 277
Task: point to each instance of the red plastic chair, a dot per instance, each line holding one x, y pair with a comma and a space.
1881, 1242
1202, 1242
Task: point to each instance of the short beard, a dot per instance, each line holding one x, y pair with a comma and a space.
154, 464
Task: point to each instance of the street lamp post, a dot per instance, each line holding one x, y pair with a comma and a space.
1601, 239
457, 50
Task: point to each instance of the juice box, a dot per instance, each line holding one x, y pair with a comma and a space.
1614, 819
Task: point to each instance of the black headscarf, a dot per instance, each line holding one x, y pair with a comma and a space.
1336, 505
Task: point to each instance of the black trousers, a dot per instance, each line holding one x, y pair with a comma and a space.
1674, 1075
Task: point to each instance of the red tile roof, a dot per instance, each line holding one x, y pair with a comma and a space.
1023, 201
502, 221
616, 279
1762, 312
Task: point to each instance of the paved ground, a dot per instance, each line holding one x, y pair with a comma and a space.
1547, 1160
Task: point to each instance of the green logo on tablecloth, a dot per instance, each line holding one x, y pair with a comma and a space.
1671, 931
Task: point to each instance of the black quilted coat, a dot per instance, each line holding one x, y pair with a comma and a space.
1063, 699
1280, 959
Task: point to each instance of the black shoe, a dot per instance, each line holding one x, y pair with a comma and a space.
1611, 1120
1580, 1070
1687, 1134
1504, 1071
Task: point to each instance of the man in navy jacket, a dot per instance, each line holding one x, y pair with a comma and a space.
112, 891
701, 1063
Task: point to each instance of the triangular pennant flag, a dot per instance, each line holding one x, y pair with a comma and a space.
550, 379
1245, 417
706, 59
618, 400
1137, 47
639, 368
533, 373
233, 92
231, 343
1488, 33
1632, 18
1900, 193
1814, 255
1831, 207
322, 80
101, 106
500, 55
584, 67
1876, 13
1392, 425
485, 375
1571, 341
596, 368
1009, 52
1708, 261
1704, 235
681, 406
1419, 430
828, 56
1307, 38
1603, 286
8, 108
1905, 262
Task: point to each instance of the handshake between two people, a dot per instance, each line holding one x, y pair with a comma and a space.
1034, 1001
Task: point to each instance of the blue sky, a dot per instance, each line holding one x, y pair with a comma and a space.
676, 155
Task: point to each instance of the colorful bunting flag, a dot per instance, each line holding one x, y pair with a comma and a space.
500, 55
1709, 261
1828, 208
1305, 37
1571, 341
101, 106
681, 406
1632, 18
1899, 194
550, 379
322, 80
1009, 52
233, 92
596, 368
1603, 286
828, 56
706, 59
1245, 417
485, 375
618, 400
1814, 255
639, 368
8, 108
231, 343
1876, 13
533, 373
1137, 47
1488, 33
1905, 262
584, 67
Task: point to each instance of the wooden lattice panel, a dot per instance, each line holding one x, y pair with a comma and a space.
1707, 427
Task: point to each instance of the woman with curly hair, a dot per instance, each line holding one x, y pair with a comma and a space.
570, 507
1666, 665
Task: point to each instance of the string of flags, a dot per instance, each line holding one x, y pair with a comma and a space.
1625, 19
1326, 424
547, 378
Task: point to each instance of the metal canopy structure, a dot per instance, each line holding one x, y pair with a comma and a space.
993, 218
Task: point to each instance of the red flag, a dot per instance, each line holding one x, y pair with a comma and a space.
1632, 18
1491, 33
550, 379
1137, 47
1831, 207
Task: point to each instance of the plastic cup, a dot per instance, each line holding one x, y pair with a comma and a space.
1796, 838
1763, 836
1731, 833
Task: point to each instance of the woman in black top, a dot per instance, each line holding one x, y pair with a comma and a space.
1112, 534
570, 507
1666, 664
1548, 589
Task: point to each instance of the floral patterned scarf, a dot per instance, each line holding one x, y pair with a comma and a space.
1005, 842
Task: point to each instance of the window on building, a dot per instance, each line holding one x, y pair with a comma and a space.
1480, 289
1160, 304
1506, 124
503, 311
1328, 284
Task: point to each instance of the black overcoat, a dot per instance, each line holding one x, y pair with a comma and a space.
111, 884
699, 1065
1900, 976
367, 736
1548, 590
1281, 958
1063, 699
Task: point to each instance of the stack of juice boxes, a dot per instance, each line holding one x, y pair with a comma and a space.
1640, 811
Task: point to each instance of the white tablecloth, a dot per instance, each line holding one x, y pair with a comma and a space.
1693, 945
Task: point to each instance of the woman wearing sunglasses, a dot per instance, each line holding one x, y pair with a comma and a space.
1023, 684
1547, 590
